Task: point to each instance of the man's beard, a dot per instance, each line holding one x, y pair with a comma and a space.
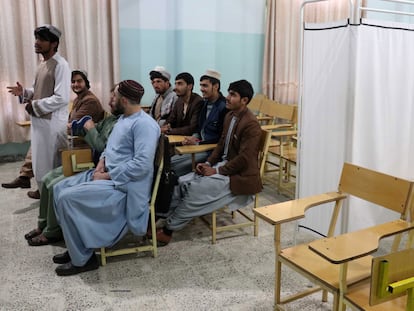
79, 92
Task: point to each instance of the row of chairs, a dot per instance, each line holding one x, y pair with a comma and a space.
281, 120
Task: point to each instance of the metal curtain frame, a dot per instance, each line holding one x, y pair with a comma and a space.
362, 8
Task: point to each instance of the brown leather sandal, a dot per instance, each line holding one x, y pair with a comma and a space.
42, 240
32, 234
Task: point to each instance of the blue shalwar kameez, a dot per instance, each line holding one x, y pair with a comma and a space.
96, 214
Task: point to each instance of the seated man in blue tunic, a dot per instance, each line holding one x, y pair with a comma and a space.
96, 208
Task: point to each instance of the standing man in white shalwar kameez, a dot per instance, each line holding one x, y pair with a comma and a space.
47, 102
96, 208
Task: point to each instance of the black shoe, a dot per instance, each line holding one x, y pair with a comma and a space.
61, 258
22, 182
69, 269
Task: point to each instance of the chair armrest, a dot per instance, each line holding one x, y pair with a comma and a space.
276, 126
194, 148
24, 123
174, 139
264, 118
295, 209
284, 133
357, 244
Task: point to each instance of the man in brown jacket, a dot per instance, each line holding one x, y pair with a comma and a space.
183, 119
230, 176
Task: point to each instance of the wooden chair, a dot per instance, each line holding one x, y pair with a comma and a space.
120, 249
391, 285
250, 220
256, 103
282, 150
280, 115
311, 260
287, 154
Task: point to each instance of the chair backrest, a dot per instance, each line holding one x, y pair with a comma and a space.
278, 111
158, 168
256, 102
72, 158
387, 269
168, 178
263, 149
381, 189
295, 114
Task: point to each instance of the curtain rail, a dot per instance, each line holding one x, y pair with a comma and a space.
400, 1
386, 11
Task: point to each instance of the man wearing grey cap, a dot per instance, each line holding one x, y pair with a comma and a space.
165, 97
47, 102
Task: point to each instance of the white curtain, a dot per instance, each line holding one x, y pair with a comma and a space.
358, 107
89, 41
327, 93
281, 51
383, 119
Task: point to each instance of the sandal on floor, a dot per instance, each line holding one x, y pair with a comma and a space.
42, 240
32, 234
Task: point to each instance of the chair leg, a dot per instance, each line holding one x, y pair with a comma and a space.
154, 236
103, 256
213, 227
324, 295
255, 218
278, 276
280, 177
255, 226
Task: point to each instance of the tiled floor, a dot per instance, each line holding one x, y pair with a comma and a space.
188, 274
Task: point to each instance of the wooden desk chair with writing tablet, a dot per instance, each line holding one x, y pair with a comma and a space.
125, 247
255, 105
320, 260
250, 221
283, 127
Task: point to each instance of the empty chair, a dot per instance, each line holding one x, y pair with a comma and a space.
320, 261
